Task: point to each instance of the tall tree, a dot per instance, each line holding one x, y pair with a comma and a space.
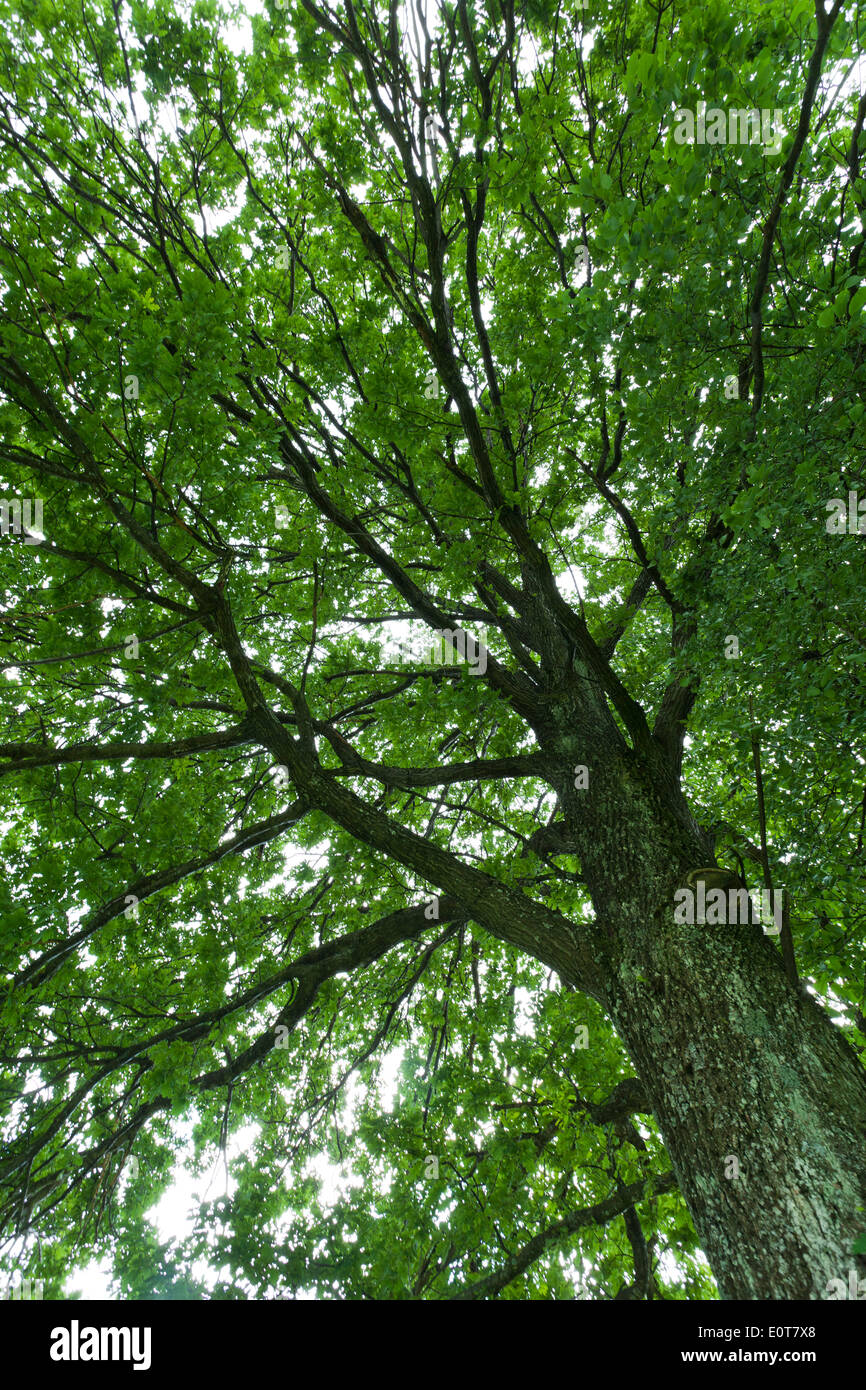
329, 331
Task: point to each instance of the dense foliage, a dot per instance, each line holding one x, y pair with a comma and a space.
319, 326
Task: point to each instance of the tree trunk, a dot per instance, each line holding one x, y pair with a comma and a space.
740, 1066
760, 1100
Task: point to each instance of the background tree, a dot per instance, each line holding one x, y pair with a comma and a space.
326, 328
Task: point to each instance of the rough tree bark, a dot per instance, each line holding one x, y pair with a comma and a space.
737, 1063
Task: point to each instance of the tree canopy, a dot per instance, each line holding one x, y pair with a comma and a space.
325, 330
